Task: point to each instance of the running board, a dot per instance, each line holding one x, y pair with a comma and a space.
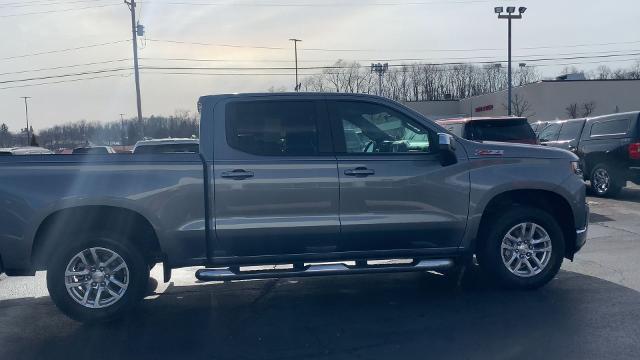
226, 274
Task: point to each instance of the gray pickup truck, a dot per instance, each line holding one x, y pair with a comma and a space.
318, 184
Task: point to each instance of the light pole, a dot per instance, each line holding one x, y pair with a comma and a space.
295, 52
122, 131
380, 69
510, 14
26, 115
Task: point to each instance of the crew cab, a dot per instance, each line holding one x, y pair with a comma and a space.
318, 184
502, 128
608, 147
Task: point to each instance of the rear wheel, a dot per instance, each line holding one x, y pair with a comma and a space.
524, 248
97, 279
604, 181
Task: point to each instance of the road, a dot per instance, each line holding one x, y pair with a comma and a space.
591, 311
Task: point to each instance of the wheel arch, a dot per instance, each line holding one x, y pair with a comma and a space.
546, 200
59, 225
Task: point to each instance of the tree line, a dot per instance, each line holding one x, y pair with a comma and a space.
182, 124
428, 82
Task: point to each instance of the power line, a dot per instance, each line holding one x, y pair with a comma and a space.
63, 50
64, 75
184, 69
219, 45
389, 50
64, 67
64, 81
58, 11
22, 4
333, 4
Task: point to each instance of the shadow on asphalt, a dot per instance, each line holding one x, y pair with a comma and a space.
389, 316
630, 193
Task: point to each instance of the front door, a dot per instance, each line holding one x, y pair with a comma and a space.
394, 192
275, 179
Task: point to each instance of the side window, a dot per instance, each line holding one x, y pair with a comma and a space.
272, 128
373, 128
550, 132
570, 130
611, 127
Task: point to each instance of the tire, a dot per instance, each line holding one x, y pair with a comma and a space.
492, 251
605, 181
133, 276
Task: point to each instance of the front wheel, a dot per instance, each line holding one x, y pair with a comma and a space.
97, 279
524, 248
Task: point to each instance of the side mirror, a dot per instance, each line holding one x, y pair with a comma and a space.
447, 149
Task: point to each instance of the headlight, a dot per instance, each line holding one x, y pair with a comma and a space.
575, 167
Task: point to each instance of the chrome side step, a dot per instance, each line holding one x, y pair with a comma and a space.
227, 274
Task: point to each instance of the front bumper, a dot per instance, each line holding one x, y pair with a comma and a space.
581, 234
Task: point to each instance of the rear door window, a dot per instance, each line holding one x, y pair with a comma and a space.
273, 128
570, 130
517, 130
550, 132
611, 127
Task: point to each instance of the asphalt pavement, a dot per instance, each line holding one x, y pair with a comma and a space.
590, 311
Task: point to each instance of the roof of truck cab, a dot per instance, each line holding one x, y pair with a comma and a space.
469, 119
291, 94
168, 141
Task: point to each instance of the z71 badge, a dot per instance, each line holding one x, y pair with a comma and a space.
486, 152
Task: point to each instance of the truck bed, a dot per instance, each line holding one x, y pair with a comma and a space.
166, 189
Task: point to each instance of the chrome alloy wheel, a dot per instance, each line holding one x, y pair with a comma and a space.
601, 181
526, 249
96, 277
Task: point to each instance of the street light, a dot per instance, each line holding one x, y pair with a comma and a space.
510, 14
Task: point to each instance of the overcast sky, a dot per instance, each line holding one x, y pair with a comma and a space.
392, 29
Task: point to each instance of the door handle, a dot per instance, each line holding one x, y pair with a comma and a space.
237, 174
359, 171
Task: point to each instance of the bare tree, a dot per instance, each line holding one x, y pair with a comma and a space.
520, 106
572, 110
588, 108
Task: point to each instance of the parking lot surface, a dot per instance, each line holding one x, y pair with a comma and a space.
591, 311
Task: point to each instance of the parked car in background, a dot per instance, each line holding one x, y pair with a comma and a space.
608, 147
538, 126
94, 150
503, 129
163, 146
27, 150
563, 134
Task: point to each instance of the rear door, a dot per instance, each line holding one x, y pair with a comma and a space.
394, 193
275, 178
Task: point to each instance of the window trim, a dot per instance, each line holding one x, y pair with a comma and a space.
339, 140
324, 139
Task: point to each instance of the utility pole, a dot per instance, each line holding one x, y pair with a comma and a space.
134, 40
295, 50
380, 69
509, 16
26, 115
122, 131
